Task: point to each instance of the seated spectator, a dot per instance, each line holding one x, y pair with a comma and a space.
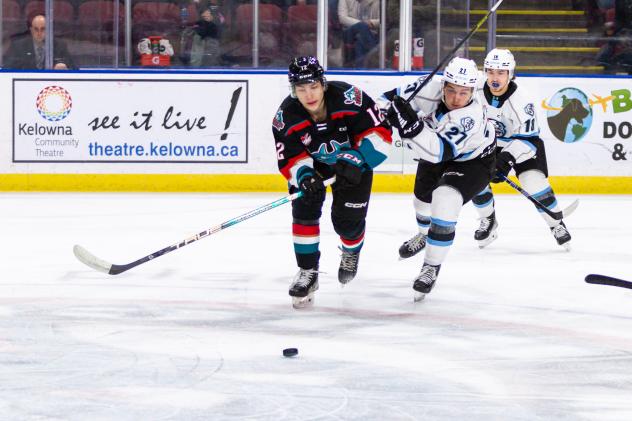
27, 51
360, 20
616, 54
623, 14
205, 45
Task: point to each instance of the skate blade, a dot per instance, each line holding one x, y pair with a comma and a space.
567, 246
303, 302
419, 296
484, 243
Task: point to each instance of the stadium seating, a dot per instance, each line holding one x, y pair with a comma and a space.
12, 20
301, 30
270, 25
64, 14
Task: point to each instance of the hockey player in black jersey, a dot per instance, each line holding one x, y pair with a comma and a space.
519, 147
325, 129
445, 126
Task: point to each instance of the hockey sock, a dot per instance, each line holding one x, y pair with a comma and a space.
484, 202
306, 237
446, 205
422, 213
353, 246
537, 185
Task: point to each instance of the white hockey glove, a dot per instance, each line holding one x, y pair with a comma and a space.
143, 46
165, 47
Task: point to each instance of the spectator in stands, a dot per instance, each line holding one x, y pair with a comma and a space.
205, 47
623, 14
595, 11
28, 51
616, 54
360, 20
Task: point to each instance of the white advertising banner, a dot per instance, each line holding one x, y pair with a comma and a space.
585, 123
168, 123
130, 121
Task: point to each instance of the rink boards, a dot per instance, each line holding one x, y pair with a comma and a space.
211, 131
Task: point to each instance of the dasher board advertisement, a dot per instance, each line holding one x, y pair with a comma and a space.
131, 120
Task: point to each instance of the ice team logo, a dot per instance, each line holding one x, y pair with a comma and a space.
353, 96
569, 114
529, 110
467, 123
499, 128
53, 103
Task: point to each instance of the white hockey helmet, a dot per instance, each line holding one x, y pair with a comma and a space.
500, 59
462, 72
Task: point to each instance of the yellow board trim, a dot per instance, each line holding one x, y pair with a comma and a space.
383, 183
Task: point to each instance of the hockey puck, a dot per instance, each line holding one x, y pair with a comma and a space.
290, 352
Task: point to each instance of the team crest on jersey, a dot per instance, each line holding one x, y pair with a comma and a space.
529, 109
467, 123
353, 95
278, 123
499, 127
328, 152
306, 139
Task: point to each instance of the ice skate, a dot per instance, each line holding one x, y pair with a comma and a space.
562, 236
487, 231
303, 286
412, 246
424, 282
348, 266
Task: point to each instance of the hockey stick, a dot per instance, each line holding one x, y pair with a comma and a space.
94, 262
555, 215
445, 59
608, 280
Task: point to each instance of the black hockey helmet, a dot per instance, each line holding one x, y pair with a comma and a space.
305, 69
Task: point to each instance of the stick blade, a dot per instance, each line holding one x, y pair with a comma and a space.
607, 280
571, 208
89, 259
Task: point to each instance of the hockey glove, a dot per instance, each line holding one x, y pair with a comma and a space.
348, 169
504, 163
401, 115
313, 189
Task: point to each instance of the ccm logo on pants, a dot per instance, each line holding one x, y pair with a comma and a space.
355, 205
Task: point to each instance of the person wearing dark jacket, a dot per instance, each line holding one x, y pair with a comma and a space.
28, 51
205, 49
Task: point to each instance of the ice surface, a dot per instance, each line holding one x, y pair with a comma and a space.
510, 332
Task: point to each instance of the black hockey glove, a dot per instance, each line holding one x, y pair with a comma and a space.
401, 115
504, 163
348, 169
313, 189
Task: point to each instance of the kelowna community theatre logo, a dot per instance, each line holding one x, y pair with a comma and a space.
569, 114
53, 103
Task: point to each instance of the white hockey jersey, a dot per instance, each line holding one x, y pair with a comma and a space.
514, 119
457, 135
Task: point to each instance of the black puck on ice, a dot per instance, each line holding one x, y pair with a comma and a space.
290, 352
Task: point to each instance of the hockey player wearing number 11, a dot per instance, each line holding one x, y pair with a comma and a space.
325, 129
455, 146
519, 147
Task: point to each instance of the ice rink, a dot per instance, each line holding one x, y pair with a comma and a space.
511, 332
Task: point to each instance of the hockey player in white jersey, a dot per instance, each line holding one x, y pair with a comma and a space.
445, 126
519, 147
